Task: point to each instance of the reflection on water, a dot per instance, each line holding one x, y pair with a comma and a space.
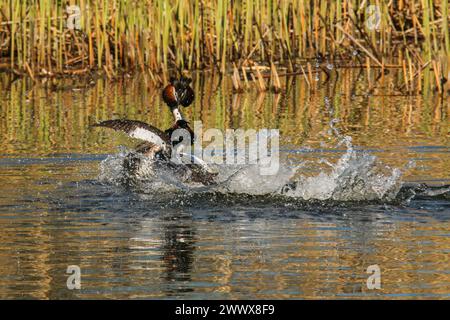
54, 212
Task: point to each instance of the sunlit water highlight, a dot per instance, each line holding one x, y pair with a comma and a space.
342, 200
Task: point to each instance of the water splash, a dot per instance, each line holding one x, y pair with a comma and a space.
356, 176
149, 177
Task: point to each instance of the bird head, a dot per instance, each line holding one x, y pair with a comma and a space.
178, 92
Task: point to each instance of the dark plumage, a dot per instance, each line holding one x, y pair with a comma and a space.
157, 144
180, 124
128, 126
178, 92
151, 148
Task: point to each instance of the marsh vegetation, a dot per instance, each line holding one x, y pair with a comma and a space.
254, 42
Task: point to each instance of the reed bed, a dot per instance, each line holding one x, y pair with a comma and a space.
247, 39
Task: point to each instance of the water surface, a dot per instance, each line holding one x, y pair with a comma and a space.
57, 209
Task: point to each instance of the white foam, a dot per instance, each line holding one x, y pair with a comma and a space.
356, 176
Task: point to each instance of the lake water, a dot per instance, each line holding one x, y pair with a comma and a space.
350, 194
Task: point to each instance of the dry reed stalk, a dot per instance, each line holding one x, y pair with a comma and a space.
261, 82
369, 77
359, 45
275, 80
237, 87
436, 72
305, 76
310, 72
245, 78
405, 76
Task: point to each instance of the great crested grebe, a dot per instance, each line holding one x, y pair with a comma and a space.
157, 145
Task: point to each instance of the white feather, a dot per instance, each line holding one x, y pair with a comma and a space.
177, 114
147, 135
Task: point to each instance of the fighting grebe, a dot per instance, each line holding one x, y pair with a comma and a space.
157, 144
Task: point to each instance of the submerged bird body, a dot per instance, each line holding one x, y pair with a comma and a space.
141, 168
157, 145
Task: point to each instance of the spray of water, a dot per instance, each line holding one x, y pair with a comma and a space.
356, 176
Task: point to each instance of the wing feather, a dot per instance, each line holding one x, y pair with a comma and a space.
138, 130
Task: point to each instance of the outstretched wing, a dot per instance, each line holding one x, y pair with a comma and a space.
138, 130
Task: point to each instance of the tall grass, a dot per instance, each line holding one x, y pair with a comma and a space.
159, 35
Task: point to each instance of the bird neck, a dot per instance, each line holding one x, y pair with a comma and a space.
177, 114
